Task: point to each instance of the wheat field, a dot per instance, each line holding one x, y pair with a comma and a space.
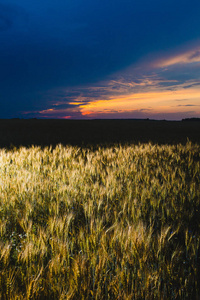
118, 222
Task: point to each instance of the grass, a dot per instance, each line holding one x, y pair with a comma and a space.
118, 222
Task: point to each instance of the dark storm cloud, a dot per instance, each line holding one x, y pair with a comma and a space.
52, 45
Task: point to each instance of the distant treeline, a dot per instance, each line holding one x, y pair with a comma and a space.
191, 119
40, 132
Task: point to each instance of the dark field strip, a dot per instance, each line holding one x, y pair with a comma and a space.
93, 132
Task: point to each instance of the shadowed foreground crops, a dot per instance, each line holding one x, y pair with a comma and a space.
95, 132
113, 223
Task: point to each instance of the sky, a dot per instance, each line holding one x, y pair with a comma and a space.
100, 59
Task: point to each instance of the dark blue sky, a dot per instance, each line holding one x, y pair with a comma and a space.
67, 58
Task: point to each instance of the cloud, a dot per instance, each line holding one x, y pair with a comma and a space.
188, 105
147, 94
77, 47
187, 57
138, 114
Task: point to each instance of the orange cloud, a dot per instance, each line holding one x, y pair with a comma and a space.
158, 101
66, 117
130, 93
75, 103
46, 111
84, 113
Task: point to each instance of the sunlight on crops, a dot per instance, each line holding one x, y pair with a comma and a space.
114, 223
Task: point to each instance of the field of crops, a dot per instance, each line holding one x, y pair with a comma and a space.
120, 222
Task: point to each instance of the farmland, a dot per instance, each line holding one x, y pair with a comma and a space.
84, 133
106, 222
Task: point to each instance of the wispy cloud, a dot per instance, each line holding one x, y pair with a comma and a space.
133, 93
188, 105
158, 100
186, 57
144, 98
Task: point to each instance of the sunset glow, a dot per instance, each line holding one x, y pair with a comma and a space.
165, 89
121, 59
155, 102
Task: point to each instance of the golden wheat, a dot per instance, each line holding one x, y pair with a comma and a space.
120, 222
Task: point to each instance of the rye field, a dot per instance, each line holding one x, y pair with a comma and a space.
115, 222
